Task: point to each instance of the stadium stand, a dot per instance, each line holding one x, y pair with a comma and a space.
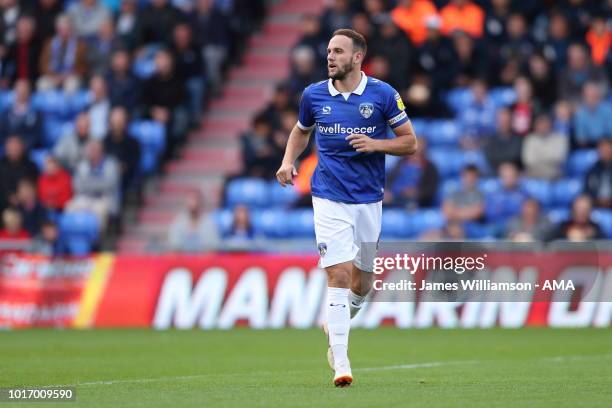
211, 99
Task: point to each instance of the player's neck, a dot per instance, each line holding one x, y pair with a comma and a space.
349, 83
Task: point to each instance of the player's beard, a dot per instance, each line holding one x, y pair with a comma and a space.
341, 71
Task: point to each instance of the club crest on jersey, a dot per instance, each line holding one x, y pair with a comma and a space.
322, 248
366, 109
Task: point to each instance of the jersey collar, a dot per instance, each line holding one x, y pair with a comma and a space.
359, 90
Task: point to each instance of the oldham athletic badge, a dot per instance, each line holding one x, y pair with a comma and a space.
322, 248
366, 109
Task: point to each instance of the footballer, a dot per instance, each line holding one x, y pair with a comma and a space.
350, 115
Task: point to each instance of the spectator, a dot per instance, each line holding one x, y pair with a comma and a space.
21, 118
157, 21
304, 70
96, 184
71, 146
504, 145
211, 29
557, 42
9, 13
530, 225
411, 16
467, 202
123, 147
123, 87
189, 67
562, 119
88, 16
470, 61
598, 182
99, 108
27, 202
599, 39
376, 11
313, 37
163, 95
544, 151
496, 21
256, 150
337, 16
477, 118
23, 55
54, 185
543, 80
193, 230
241, 232
579, 227
64, 60
518, 43
281, 100
508, 200
301, 182
128, 24
525, 108
361, 23
393, 45
462, 15
45, 14
592, 119
413, 181
14, 166
579, 71
101, 47
48, 242
423, 100
436, 55
12, 226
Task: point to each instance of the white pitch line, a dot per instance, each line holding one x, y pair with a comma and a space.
431, 364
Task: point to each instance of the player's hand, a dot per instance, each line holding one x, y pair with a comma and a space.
362, 143
285, 174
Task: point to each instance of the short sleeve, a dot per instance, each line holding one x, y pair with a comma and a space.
306, 119
395, 114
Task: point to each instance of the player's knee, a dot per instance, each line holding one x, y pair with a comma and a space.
338, 276
362, 285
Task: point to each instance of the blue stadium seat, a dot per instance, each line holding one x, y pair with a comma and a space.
252, 192
580, 162
79, 230
443, 133
6, 100
449, 162
558, 214
223, 220
476, 230
564, 191
446, 188
79, 101
271, 223
538, 189
38, 156
152, 138
603, 217
300, 223
457, 98
503, 96
424, 220
54, 129
395, 224
52, 104
421, 127
282, 196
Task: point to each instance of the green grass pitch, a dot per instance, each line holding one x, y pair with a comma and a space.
268, 368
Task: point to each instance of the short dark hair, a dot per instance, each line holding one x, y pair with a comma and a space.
359, 40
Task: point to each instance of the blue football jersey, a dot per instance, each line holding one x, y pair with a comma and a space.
342, 173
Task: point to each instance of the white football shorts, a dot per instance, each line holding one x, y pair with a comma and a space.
341, 229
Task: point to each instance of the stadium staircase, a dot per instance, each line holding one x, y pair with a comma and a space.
213, 151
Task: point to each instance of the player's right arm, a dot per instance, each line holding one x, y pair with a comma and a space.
298, 140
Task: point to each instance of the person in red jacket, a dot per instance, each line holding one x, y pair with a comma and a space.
54, 185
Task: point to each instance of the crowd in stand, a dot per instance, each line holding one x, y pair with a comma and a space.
76, 77
510, 101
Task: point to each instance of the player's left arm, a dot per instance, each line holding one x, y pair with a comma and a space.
403, 144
